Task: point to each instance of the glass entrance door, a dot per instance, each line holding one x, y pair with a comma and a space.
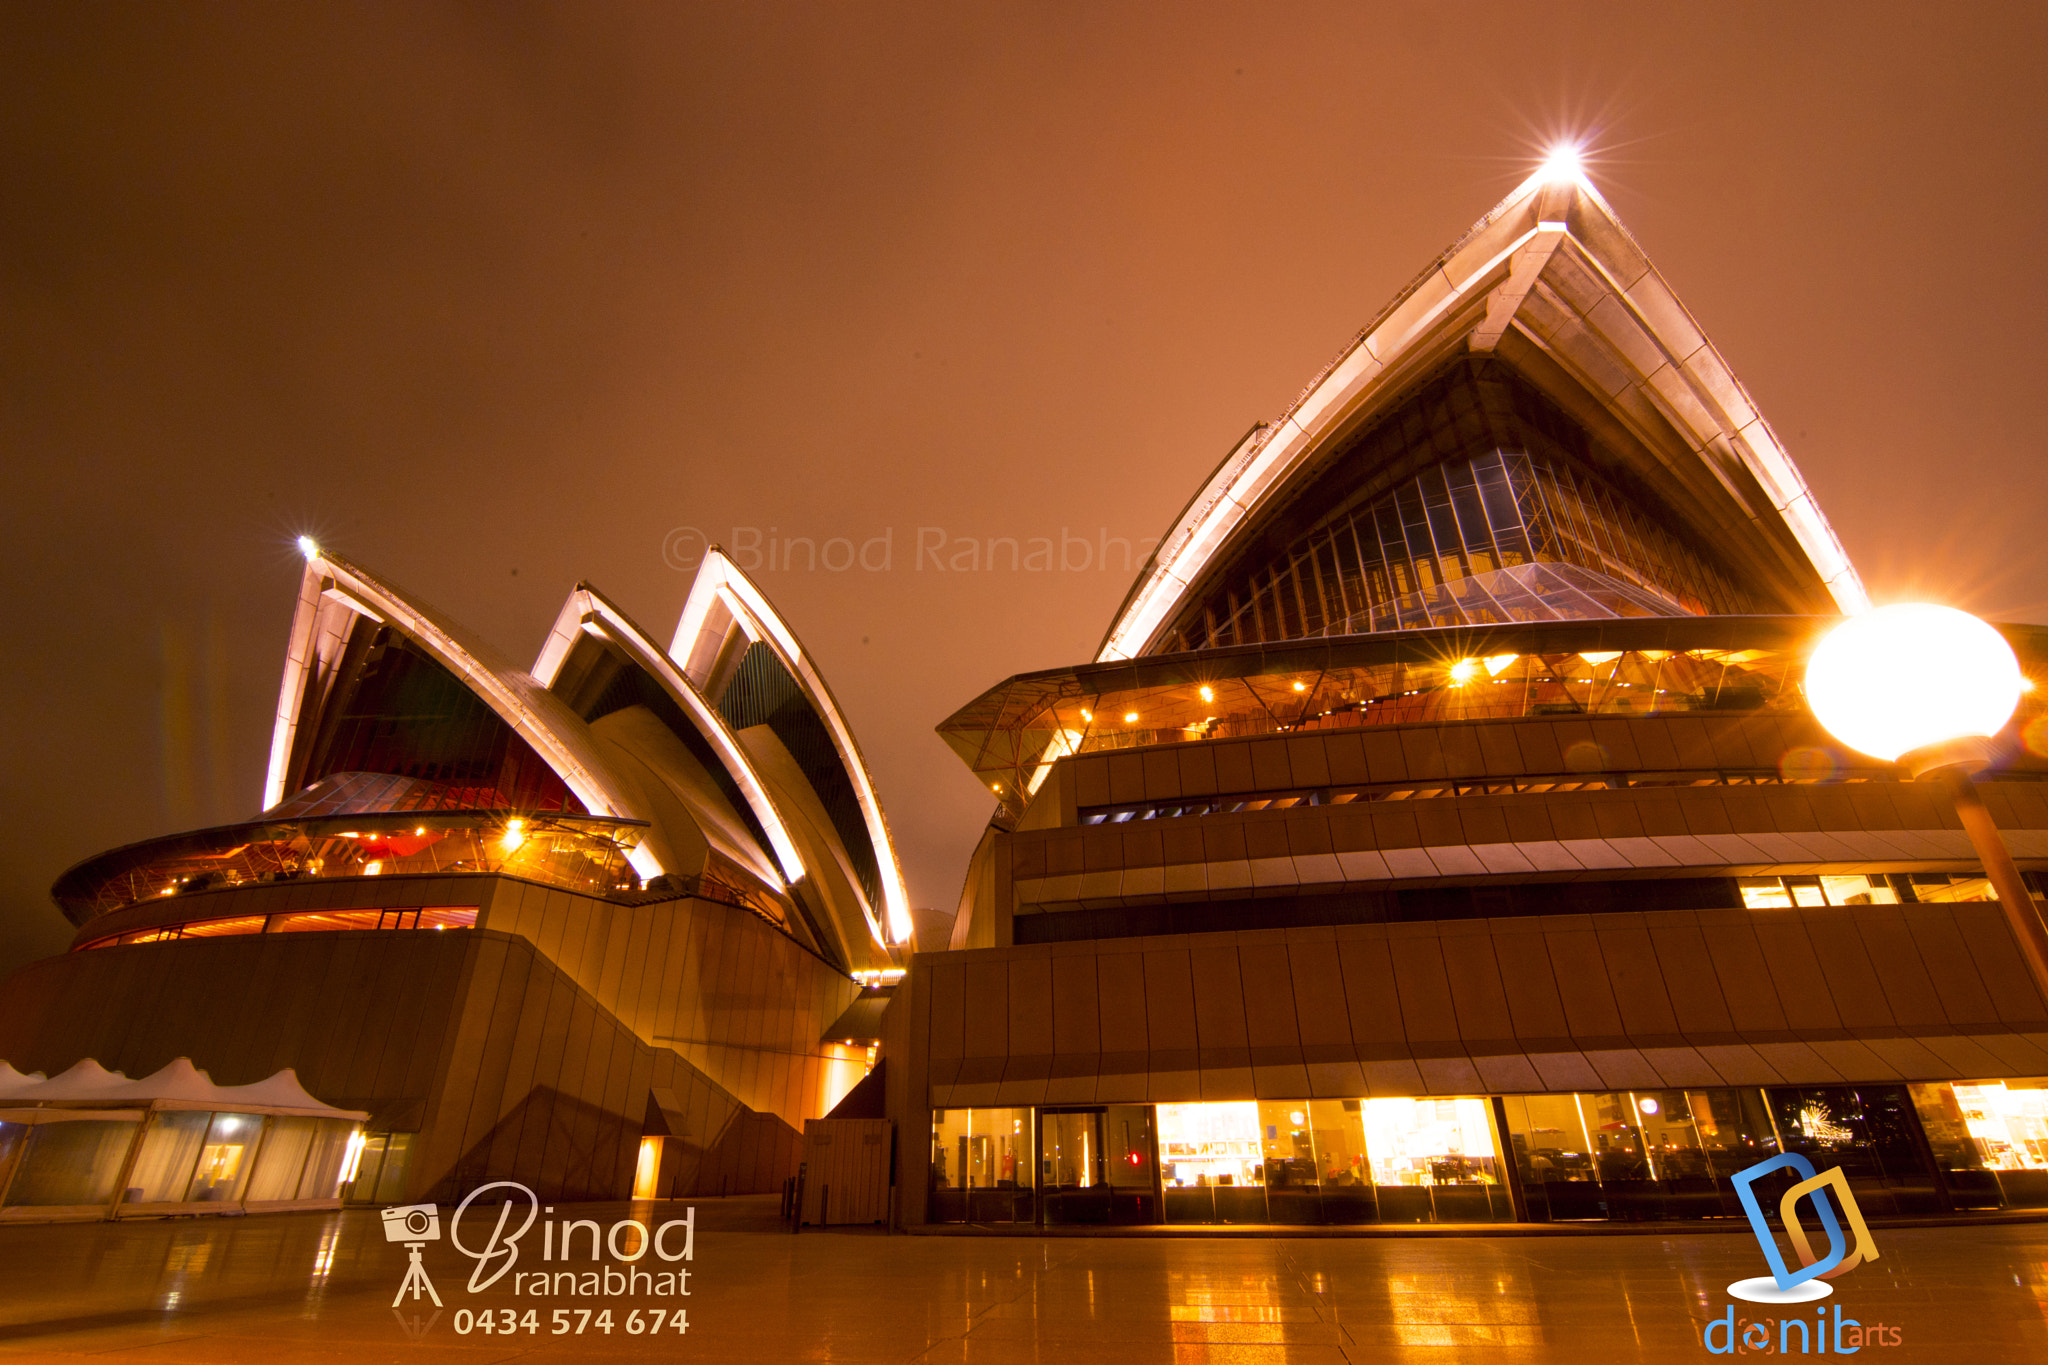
1098, 1165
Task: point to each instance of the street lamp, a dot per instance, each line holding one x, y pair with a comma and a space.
1926, 687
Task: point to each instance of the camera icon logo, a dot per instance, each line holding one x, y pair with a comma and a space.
412, 1223
415, 1225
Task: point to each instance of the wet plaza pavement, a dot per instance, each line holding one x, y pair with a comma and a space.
303, 1287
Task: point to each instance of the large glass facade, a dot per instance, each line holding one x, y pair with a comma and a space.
1475, 501
1658, 1155
1326, 1161
1990, 1139
395, 711
1644, 1155
579, 853
1624, 1155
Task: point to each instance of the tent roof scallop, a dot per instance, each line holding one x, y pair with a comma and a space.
178, 1082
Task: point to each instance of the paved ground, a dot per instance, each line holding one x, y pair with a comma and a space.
318, 1287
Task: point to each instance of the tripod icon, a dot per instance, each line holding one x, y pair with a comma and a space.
416, 1278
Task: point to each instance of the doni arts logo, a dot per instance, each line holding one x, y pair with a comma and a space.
1809, 1281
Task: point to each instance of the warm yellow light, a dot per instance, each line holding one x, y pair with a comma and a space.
514, 836
1130, 717
352, 1156
309, 547
1464, 671
1496, 663
373, 869
1301, 687
1909, 675
1564, 164
647, 1169
1605, 657
1208, 692
1086, 714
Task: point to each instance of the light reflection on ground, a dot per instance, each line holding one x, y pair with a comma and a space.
291, 1287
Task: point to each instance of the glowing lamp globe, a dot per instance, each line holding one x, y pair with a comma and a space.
1911, 675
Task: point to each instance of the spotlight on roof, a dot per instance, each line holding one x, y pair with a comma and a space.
309, 547
1564, 164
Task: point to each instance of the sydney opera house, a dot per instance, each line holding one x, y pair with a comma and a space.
1440, 833
601, 926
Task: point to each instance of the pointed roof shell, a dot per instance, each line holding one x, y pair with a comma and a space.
1548, 279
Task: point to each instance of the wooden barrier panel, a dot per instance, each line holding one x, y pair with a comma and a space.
846, 1171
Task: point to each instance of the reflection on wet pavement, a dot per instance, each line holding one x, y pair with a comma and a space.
283, 1288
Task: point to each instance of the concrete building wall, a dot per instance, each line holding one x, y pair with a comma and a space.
1555, 1003
532, 1047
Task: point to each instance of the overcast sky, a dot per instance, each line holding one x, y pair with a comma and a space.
493, 298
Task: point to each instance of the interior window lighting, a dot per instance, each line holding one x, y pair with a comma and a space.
1208, 692
1497, 663
1130, 717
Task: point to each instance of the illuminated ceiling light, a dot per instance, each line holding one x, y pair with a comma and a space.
1608, 656
1647, 1106
1301, 687
1130, 717
309, 547
1497, 663
514, 836
1464, 671
1086, 714
1208, 692
1564, 164
1911, 675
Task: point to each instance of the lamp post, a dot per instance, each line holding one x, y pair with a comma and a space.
1926, 687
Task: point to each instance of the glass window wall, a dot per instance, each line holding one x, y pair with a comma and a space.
1435, 1160
226, 1158
1999, 1128
1474, 502
325, 1162
1634, 1155
1098, 1165
170, 1150
13, 1139
72, 1163
981, 1166
282, 1159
